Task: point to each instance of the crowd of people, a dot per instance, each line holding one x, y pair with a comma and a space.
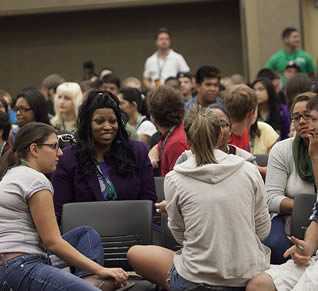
106, 139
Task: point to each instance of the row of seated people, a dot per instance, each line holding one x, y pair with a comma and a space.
105, 165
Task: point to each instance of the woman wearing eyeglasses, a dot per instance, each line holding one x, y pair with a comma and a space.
103, 164
288, 174
30, 106
28, 225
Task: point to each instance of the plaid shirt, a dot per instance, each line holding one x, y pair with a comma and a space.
314, 216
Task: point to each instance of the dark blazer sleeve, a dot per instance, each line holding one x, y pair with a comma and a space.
148, 191
62, 180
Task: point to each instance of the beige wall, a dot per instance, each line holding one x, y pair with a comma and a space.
265, 20
310, 20
37, 45
15, 7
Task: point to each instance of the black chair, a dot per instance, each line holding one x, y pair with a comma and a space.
159, 182
303, 208
167, 239
261, 160
121, 224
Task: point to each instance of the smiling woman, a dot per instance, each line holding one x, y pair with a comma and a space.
103, 164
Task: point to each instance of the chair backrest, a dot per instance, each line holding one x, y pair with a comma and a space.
167, 239
121, 224
159, 181
261, 160
303, 208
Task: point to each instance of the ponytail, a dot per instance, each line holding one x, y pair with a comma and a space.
202, 129
8, 161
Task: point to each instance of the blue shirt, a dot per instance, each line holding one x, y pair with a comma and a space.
194, 100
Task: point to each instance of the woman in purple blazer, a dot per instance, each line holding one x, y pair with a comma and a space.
103, 164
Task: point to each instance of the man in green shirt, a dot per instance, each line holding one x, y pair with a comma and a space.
291, 52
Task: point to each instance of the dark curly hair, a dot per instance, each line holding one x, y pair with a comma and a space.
166, 106
121, 155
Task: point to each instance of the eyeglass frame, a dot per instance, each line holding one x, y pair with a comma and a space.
225, 124
21, 109
53, 146
306, 116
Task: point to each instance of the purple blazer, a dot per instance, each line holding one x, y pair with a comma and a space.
70, 187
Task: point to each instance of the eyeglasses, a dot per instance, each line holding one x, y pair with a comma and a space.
296, 118
66, 137
53, 146
21, 109
225, 124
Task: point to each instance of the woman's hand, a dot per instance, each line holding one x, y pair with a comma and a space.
161, 207
117, 273
300, 257
313, 146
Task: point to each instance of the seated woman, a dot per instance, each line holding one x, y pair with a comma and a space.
217, 211
28, 225
269, 110
288, 174
67, 100
5, 127
30, 106
262, 136
131, 102
102, 164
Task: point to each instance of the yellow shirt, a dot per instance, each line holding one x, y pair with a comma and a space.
266, 140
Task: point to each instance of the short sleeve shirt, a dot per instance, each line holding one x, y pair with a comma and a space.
279, 61
158, 69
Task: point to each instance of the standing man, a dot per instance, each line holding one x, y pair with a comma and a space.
164, 62
207, 81
291, 52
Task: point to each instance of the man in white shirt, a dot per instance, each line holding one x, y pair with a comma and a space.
164, 62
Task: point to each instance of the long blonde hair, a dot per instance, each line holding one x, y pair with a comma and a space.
202, 129
72, 90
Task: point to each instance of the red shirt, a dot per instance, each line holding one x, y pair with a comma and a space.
240, 141
176, 144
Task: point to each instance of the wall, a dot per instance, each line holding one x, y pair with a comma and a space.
36, 45
310, 19
265, 21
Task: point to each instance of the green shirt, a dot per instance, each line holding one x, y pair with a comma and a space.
279, 61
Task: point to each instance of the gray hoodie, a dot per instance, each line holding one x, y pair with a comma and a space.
218, 213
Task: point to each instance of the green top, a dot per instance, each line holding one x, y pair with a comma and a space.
279, 61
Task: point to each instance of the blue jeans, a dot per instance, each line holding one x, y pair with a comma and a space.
178, 283
32, 272
277, 240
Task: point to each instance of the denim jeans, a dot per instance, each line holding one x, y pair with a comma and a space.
87, 241
33, 272
178, 283
277, 240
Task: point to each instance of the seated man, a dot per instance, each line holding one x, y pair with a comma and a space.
300, 273
166, 109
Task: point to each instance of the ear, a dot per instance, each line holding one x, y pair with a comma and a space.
134, 104
34, 150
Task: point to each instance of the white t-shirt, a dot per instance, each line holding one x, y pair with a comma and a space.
156, 68
17, 229
146, 128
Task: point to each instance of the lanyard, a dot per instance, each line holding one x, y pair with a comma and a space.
252, 145
165, 141
139, 121
63, 124
160, 68
2, 148
109, 187
25, 164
